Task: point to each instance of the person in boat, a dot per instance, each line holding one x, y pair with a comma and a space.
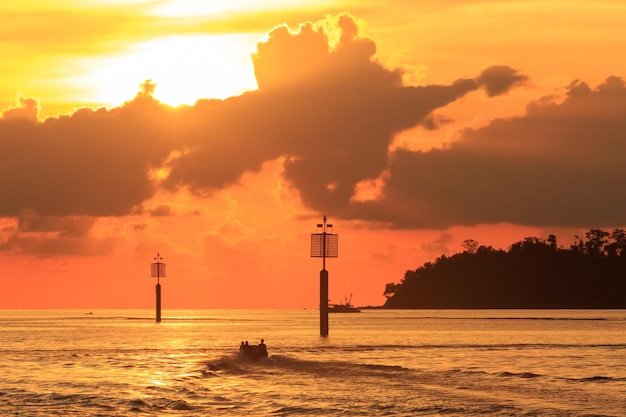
262, 349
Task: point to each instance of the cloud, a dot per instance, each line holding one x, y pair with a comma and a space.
52, 235
94, 162
49, 246
167, 210
68, 226
333, 112
439, 245
325, 106
27, 108
162, 210
558, 165
499, 79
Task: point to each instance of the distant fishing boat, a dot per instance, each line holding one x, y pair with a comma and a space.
345, 307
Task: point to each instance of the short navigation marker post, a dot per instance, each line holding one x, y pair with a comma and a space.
158, 270
324, 245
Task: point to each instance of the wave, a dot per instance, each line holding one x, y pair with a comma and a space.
345, 369
599, 379
474, 346
285, 384
300, 411
532, 375
524, 375
235, 365
180, 405
512, 318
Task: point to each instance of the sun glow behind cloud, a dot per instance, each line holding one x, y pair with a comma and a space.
184, 68
180, 8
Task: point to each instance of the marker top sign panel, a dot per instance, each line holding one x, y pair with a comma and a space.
318, 247
157, 269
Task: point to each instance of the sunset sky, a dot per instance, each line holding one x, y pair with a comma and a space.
219, 133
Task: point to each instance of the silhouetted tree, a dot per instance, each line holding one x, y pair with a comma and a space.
533, 273
617, 247
597, 240
470, 246
552, 241
390, 289
578, 245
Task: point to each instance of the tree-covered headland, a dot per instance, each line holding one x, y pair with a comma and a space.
532, 273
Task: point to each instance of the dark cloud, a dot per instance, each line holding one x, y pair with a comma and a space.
54, 235
167, 210
439, 246
331, 110
435, 121
94, 162
69, 226
559, 165
499, 79
162, 210
24, 244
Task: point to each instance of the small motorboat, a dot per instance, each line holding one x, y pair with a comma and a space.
253, 352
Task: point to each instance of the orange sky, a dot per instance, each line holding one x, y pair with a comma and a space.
219, 133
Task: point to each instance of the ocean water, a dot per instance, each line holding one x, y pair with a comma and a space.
373, 363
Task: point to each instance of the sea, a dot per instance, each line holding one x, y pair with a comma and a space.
374, 363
